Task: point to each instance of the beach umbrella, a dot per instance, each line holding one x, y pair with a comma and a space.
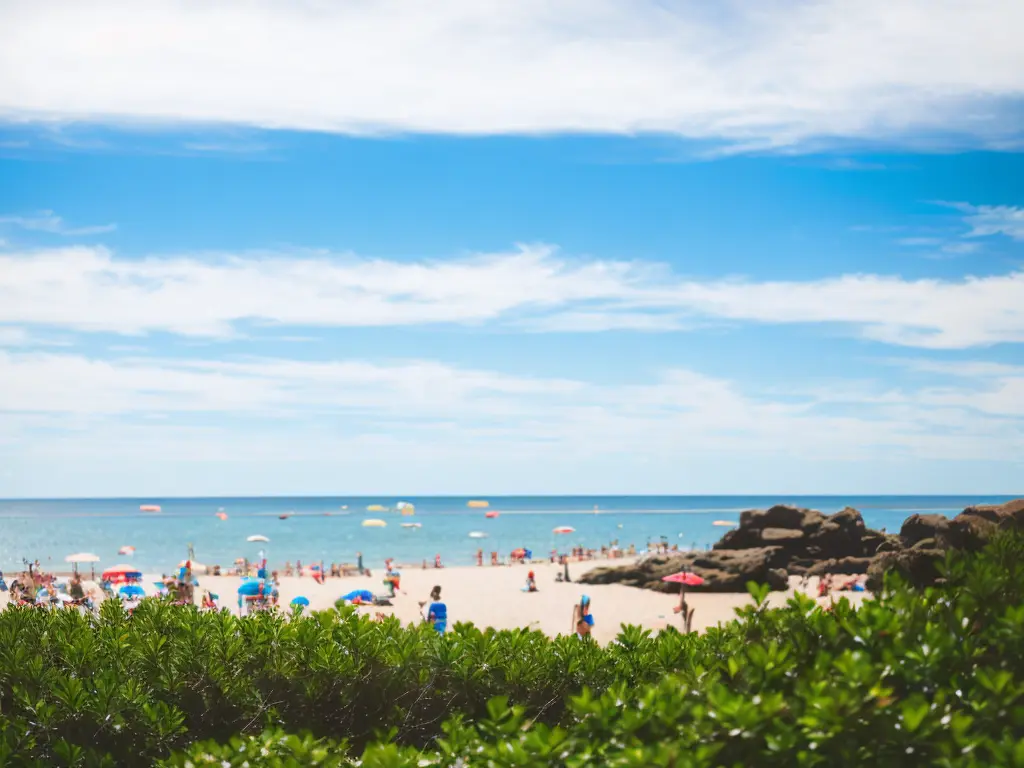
131, 590
149, 508
82, 557
374, 524
683, 577
300, 600
564, 529
251, 587
119, 573
257, 537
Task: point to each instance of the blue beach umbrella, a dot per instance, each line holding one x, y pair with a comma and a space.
131, 590
300, 600
250, 587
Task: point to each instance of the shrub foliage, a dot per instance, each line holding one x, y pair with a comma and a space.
929, 677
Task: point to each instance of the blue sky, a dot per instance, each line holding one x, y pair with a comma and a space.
553, 248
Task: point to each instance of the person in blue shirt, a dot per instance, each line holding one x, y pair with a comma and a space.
437, 612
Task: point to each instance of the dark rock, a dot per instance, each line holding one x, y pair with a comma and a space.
832, 540
918, 527
975, 525
722, 571
842, 565
890, 543
781, 516
919, 566
739, 538
872, 540
783, 536
926, 544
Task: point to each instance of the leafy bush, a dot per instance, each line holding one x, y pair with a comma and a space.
929, 677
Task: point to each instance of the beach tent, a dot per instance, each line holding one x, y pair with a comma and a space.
131, 591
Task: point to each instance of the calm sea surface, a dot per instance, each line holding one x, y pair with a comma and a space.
330, 529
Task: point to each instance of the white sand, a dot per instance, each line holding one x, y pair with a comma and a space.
493, 597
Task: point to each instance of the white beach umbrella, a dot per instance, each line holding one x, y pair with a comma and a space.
82, 557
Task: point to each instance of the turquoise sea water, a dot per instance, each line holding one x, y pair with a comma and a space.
330, 529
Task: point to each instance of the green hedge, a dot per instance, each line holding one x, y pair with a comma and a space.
910, 679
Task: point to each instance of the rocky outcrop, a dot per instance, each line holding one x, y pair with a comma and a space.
722, 571
772, 543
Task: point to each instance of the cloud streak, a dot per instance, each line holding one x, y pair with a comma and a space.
51, 223
760, 75
533, 287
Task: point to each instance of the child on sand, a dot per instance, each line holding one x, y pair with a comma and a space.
531, 582
437, 613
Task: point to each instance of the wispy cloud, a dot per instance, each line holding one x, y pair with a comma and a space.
759, 75
88, 289
986, 220
51, 223
401, 409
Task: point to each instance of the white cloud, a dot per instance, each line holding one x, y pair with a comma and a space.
66, 406
987, 220
764, 74
87, 289
48, 221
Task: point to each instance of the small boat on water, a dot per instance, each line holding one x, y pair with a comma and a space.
492, 514
149, 508
478, 504
412, 525
724, 523
477, 535
283, 517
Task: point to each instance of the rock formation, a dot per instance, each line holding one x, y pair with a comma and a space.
770, 544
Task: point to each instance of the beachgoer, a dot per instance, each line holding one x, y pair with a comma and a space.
437, 613
75, 590
531, 582
479, 557
437, 561
581, 612
359, 562
582, 629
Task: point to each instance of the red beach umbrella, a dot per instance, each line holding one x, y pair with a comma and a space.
683, 577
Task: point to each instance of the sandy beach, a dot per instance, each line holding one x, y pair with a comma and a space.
493, 597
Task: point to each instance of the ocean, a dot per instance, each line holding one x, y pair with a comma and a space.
330, 529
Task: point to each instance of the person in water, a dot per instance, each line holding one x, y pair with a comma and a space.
581, 612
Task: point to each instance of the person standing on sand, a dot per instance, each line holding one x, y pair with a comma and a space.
437, 613
359, 562
581, 612
582, 629
686, 612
